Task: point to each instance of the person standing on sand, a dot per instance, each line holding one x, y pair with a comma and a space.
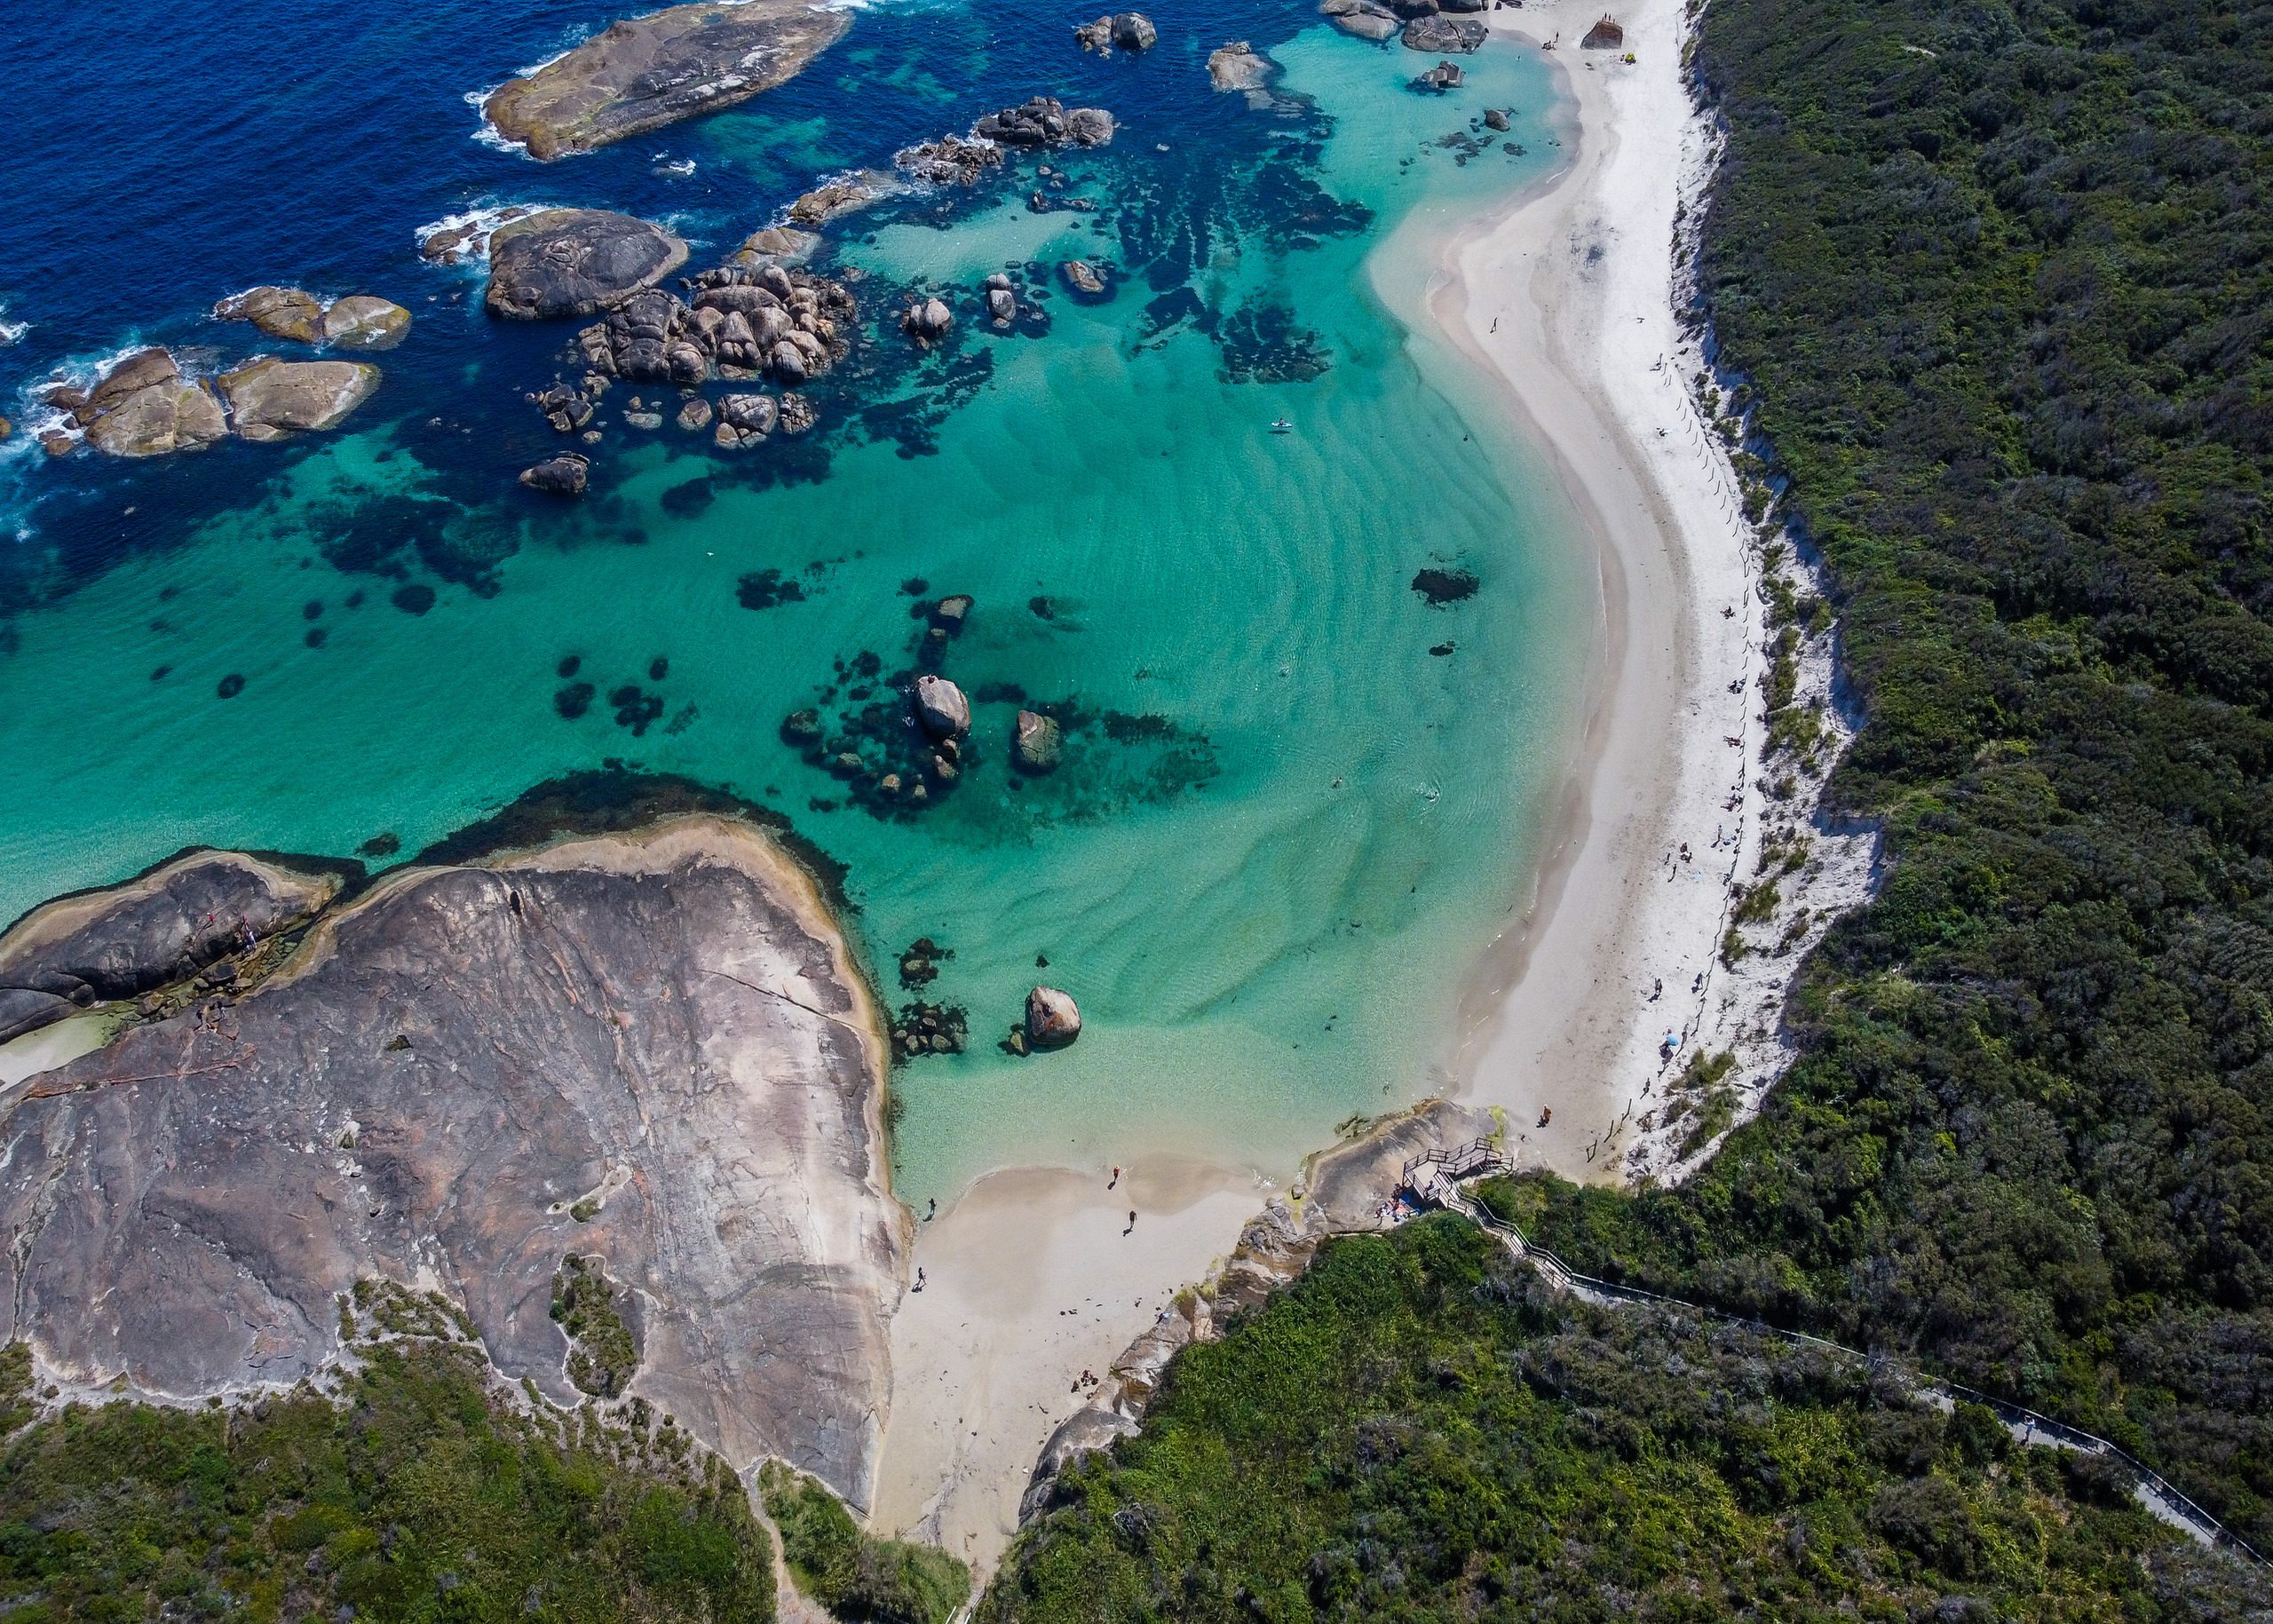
1132, 1221
1115, 1179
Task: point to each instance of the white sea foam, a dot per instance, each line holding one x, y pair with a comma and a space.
12, 332
478, 222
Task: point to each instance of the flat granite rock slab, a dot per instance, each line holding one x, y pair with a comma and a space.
646, 72
662, 1031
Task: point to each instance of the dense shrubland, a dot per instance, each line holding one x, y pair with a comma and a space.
1416, 1430
1997, 281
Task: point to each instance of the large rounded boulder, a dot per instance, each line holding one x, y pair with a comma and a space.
1053, 1019
575, 262
941, 707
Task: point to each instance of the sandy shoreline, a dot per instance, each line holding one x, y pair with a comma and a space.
1568, 295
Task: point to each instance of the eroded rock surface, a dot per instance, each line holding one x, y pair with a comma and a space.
270, 399
650, 1048
575, 262
180, 919
646, 72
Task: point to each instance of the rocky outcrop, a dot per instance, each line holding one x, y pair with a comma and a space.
1035, 744
1053, 1019
1044, 121
941, 707
927, 321
280, 312
359, 321
646, 72
1439, 33
270, 399
745, 419
365, 321
1131, 31
575, 262
1234, 66
824, 202
1443, 76
1082, 277
143, 406
1604, 35
951, 160
174, 924
1001, 299
564, 475
464, 238
1366, 19
650, 1048
774, 245
1496, 118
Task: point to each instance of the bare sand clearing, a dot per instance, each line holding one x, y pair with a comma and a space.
1029, 1280
1569, 295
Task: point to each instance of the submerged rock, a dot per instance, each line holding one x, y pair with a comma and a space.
1235, 67
941, 707
575, 262
1443, 34
564, 475
456, 1081
1053, 1019
1082, 277
646, 72
1495, 118
270, 399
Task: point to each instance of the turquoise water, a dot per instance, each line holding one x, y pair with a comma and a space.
1263, 881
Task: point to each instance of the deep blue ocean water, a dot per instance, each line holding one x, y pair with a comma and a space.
1302, 797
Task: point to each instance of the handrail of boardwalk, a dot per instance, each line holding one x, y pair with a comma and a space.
1429, 1177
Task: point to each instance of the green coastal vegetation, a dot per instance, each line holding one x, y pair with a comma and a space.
414, 1491
850, 1573
1997, 281
1417, 1430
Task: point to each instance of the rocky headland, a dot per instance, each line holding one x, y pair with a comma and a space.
650, 1048
646, 72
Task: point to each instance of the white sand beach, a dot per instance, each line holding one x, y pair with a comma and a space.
1569, 295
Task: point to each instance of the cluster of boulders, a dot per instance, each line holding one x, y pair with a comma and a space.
951, 160
144, 406
1044, 122
1002, 300
1422, 22
359, 321
927, 321
1443, 76
1083, 278
1129, 30
768, 322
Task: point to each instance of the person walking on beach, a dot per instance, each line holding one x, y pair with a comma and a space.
1132, 1221
1115, 1179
